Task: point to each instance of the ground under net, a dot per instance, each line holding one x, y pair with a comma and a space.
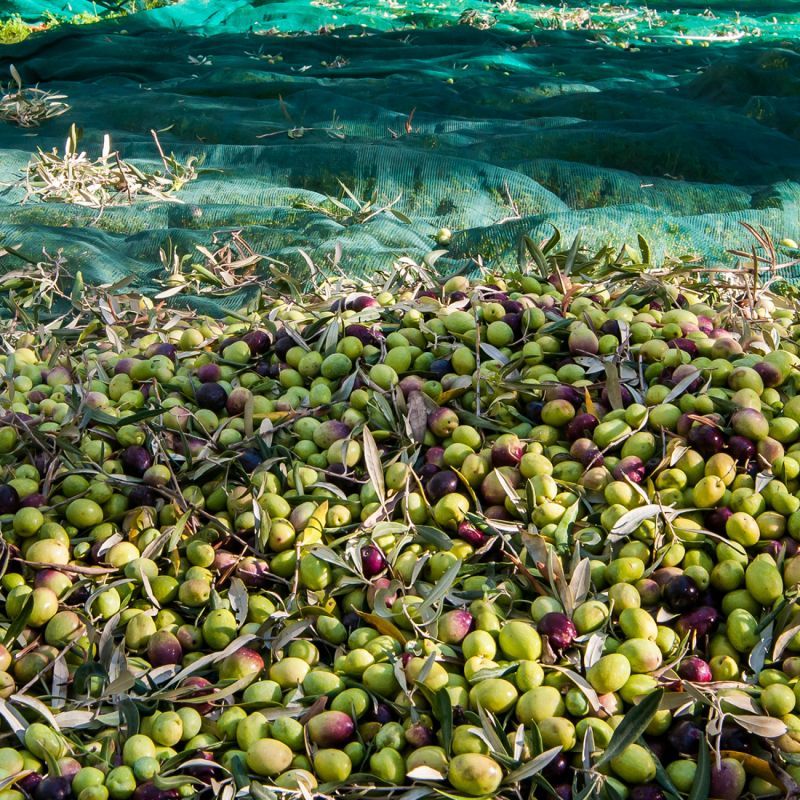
494, 120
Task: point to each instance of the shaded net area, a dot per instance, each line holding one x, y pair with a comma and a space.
492, 120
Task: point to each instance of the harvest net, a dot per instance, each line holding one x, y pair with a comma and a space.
349, 133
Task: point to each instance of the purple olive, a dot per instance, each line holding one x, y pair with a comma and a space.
54, 787
741, 449
417, 735
283, 344
435, 455
581, 426
162, 349
363, 301
35, 500
687, 345
209, 373
164, 648
701, 621
630, 467
250, 459
706, 439
684, 737
558, 628
257, 341
362, 333
372, 560
695, 669
564, 791
507, 450
136, 460
212, 396
716, 518
382, 713
29, 782
441, 484
469, 533
557, 769
123, 366
681, 593
533, 411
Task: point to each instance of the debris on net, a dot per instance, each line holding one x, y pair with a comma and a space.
74, 177
28, 106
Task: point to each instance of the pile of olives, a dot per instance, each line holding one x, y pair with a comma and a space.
498, 538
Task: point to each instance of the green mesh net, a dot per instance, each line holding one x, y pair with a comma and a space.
494, 120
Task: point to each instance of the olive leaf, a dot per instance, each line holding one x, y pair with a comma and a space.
702, 775
237, 594
442, 707
21, 620
372, 460
434, 536
632, 726
532, 767
443, 586
768, 727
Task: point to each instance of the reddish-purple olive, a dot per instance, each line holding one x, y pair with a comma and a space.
558, 628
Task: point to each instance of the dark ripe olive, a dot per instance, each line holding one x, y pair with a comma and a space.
364, 334
35, 500
646, 792
733, 737
657, 747
208, 373
200, 772
564, 791
147, 791
455, 297
704, 324
212, 396
630, 467
695, 669
29, 783
533, 411
469, 533
681, 593
382, 713
512, 307
440, 367
581, 426
687, 345
558, 628
716, 518
773, 547
685, 423
257, 341
741, 449
684, 737
427, 471
701, 621
250, 459
351, 620
372, 560
162, 349
514, 321
627, 396
611, 328
363, 301
557, 769
141, 495
706, 439
282, 345
55, 787
136, 459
